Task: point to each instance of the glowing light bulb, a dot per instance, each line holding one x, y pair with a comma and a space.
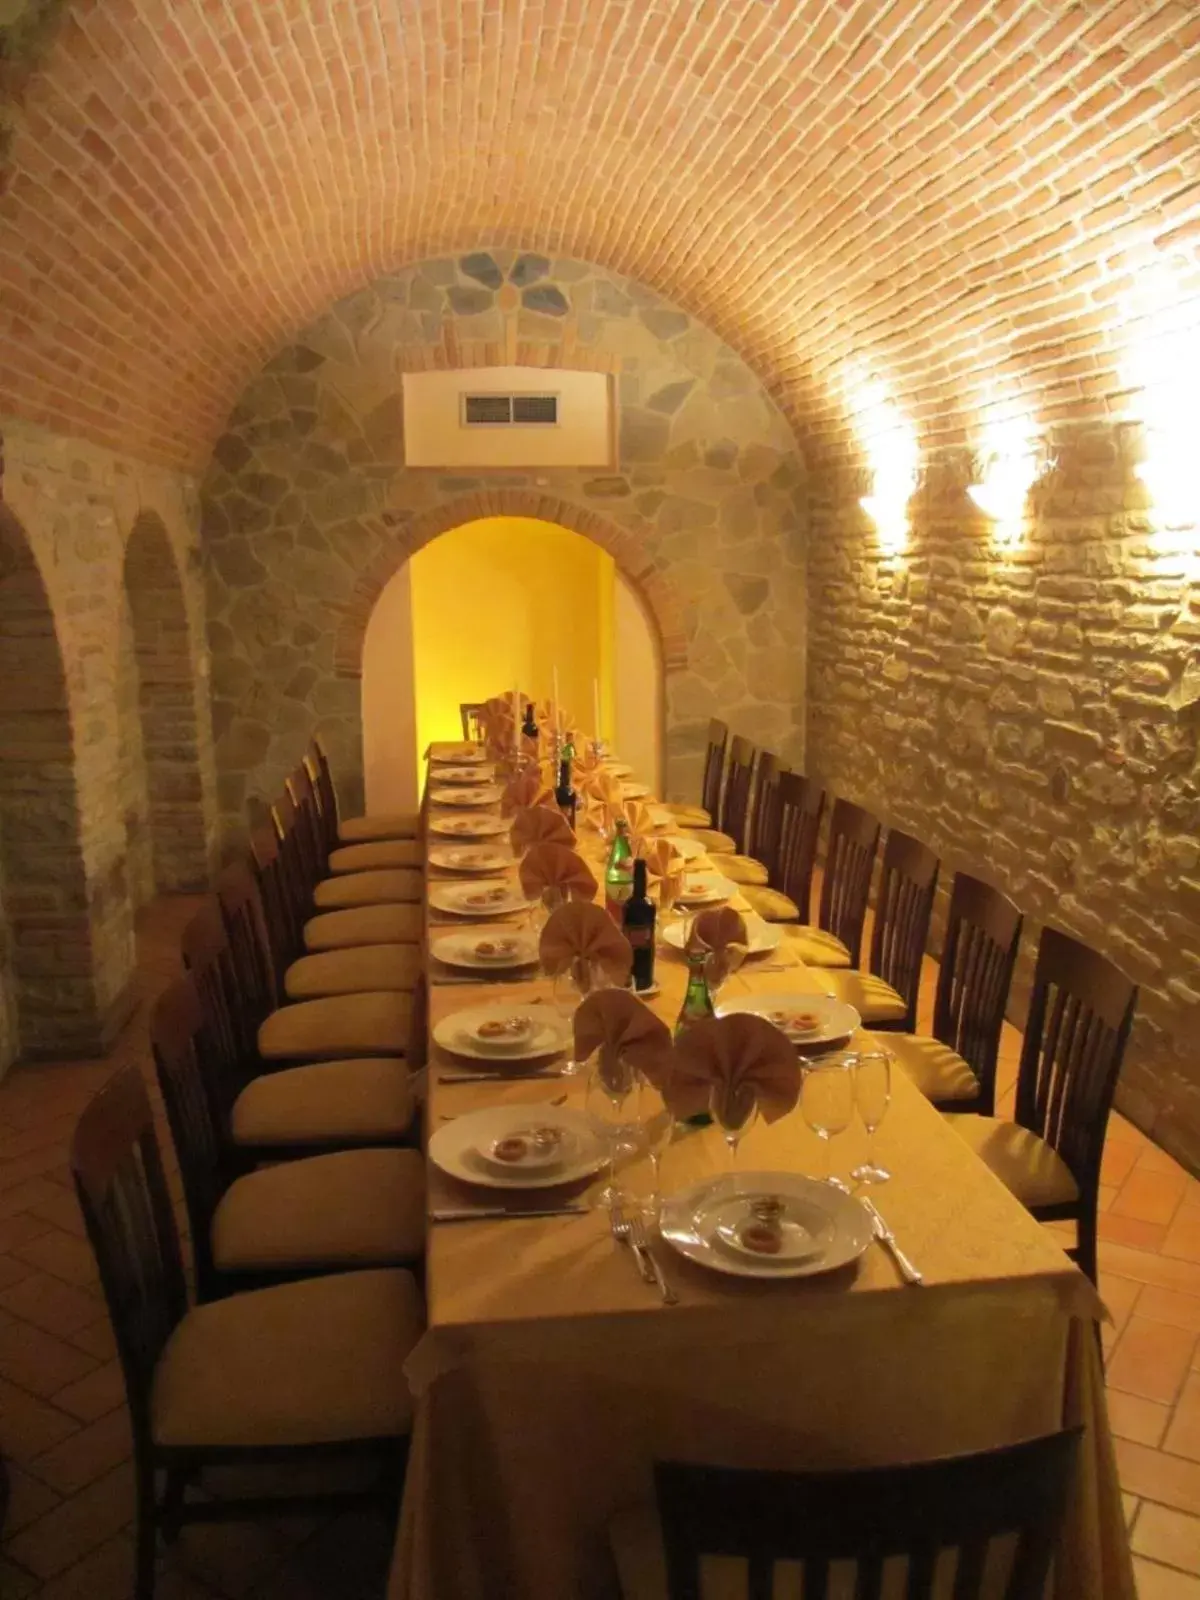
893, 453
1163, 364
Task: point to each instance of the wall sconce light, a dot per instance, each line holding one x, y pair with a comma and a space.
1163, 362
890, 442
1005, 478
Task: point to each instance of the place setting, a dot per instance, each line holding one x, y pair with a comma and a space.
475, 797
481, 772
471, 860
483, 899
479, 825
524, 1039
485, 957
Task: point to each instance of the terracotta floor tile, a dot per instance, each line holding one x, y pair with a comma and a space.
1167, 1305
12, 1271
1183, 1435
1131, 1417
1120, 1295
1118, 1162
105, 1574
97, 1338
25, 1195
1151, 1359
1171, 1537
62, 1209
63, 1256
49, 1303
1122, 1131
1150, 1196
94, 1396
1163, 1583
1130, 1231
29, 1498
66, 1534
1146, 1267
84, 1456
1129, 1505
39, 1362
20, 1229
29, 1426
1183, 1237
1155, 1475
15, 1584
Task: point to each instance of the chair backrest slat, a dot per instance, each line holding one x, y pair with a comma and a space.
906, 888
846, 884
229, 1031
764, 821
801, 807
739, 780
966, 1505
257, 981
284, 915
122, 1190
714, 769
317, 763
983, 931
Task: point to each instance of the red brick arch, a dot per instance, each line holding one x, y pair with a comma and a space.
626, 545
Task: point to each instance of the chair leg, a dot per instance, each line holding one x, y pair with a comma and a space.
170, 1516
147, 1534
1085, 1246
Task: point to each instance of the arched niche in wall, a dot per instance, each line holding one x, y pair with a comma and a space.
160, 765
47, 996
507, 601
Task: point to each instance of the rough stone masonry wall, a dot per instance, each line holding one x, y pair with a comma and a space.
1032, 715
75, 506
308, 507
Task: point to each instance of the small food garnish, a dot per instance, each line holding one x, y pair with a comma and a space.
762, 1237
489, 949
504, 1027
795, 1021
514, 1148
487, 897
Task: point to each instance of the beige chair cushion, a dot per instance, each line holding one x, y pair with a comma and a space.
744, 870
635, 1539
717, 844
771, 904
354, 1208
938, 1071
313, 1362
688, 816
874, 1000
816, 948
326, 1103
383, 854
371, 1024
374, 966
400, 885
1027, 1165
387, 825
346, 930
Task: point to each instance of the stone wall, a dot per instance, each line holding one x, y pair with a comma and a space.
1032, 715
67, 771
308, 507
131, 766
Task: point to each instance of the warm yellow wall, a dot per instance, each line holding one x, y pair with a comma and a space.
499, 603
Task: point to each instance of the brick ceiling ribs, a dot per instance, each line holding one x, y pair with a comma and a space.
943, 193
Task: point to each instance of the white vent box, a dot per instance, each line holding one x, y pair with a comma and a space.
508, 417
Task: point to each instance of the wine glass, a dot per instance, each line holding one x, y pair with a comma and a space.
872, 1096
827, 1101
570, 988
540, 909
734, 1108
612, 1107
658, 1130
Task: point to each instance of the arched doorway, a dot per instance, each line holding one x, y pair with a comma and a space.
160, 766
47, 996
503, 601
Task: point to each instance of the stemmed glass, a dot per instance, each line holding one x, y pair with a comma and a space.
570, 988
612, 1106
827, 1101
548, 901
734, 1108
872, 1095
658, 1130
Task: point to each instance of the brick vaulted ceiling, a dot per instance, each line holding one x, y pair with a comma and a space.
940, 191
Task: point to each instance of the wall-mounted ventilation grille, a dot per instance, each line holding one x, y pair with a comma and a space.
509, 410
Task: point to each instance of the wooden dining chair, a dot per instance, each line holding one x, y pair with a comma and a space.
311, 1370
999, 1512
800, 806
377, 873
835, 940
354, 830
471, 716
760, 863
291, 1111
886, 994
955, 1066
739, 784
325, 1213
1080, 1014
705, 814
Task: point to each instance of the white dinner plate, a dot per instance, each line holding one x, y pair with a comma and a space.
454, 755
481, 899
834, 1021
706, 889
458, 1147
461, 950
472, 859
470, 827
688, 849
457, 1033
695, 1223
483, 795
763, 935
457, 775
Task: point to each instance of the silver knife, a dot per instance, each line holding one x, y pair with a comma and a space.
496, 1213
501, 1077
888, 1240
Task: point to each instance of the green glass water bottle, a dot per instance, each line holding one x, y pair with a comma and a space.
618, 872
697, 1005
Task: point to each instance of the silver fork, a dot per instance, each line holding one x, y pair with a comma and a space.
641, 1243
622, 1231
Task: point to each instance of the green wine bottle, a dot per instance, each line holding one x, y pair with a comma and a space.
697, 1005
618, 872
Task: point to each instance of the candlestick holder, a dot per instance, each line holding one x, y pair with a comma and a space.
599, 751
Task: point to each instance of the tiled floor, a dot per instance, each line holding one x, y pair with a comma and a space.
64, 1431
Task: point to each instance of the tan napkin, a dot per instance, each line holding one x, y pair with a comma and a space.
737, 1056
557, 866
580, 932
533, 825
665, 866
722, 932
527, 789
618, 1024
637, 815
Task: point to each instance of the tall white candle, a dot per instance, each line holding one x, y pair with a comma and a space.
516, 721
557, 707
596, 706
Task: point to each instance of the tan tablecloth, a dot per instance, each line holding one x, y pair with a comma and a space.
551, 1377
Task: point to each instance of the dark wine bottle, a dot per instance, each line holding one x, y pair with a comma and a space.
638, 923
565, 797
529, 727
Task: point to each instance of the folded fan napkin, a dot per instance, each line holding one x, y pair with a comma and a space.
665, 866
584, 933
626, 1033
600, 788
637, 815
527, 789
557, 866
733, 1057
723, 933
532, 825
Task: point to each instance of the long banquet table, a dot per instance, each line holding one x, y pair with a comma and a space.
551, 1377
